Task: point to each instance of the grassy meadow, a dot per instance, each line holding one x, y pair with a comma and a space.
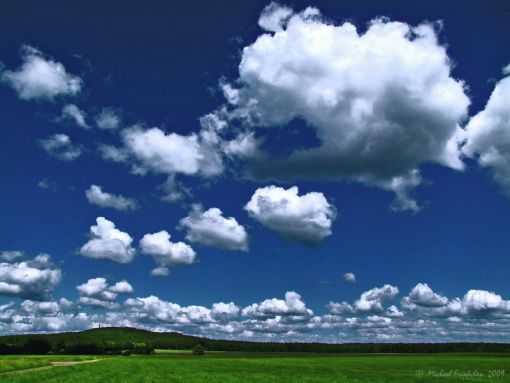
20, 362
234, 367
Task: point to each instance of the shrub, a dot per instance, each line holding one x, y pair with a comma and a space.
198, 350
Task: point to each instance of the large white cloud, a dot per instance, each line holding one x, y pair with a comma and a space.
46, 307
293, 305
59, 145
423, 295
204, 153
211, 228
373, 299
166, 253
97, 292
95, 195
33, 279
482, 301
108, 242
154, 150
224, 311
153, 308
381, 102
475, 304
306, 218
487, 135
40, 78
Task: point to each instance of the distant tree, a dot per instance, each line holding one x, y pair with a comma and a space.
84, 349
198, 350
6, 349
37, 346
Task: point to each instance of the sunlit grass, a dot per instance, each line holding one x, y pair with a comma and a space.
20, 362
281, 368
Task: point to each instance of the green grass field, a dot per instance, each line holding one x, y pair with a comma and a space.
21, 362
232, 367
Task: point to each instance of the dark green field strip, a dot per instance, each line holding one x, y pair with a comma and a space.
252, 367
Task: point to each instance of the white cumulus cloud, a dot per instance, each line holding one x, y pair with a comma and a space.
166, 253
306, 218
73, 113
154, 150
108, 119
95, 195
293, 305
274, 16
224, 311
349, 277
10, 255
34, 279
482, 300
381, 102
108, 242
97, 292
422, 295
40, 77
59, 145
487, 135
373, 299
211, 228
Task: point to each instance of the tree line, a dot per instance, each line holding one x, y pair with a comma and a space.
133, 341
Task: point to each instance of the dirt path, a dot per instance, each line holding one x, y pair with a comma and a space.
53, 364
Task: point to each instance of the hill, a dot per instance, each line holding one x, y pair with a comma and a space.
113, 340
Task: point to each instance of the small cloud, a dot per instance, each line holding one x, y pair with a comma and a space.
40, 78
349, 277
173, 191
506, 70
47, 184
160, 271
274, 17
60, 147
72, 113
112, 153
108, 119
10, 255
96, 196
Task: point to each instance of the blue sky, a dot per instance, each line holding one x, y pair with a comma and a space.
218, 169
